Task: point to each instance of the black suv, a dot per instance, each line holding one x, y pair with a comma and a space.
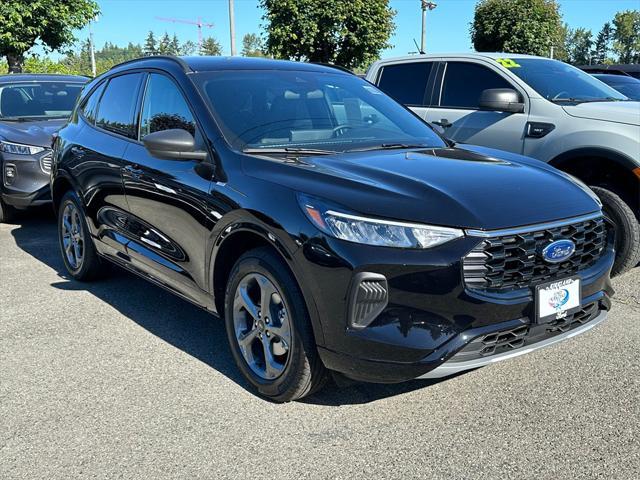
32, 108
330, 227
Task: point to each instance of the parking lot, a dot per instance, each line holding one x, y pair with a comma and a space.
121, 379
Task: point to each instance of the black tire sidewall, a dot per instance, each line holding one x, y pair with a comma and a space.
280, 388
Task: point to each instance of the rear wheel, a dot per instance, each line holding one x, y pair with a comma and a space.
7, 212
627, 230
76, 245
269, 329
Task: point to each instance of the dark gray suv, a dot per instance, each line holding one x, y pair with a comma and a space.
32, 109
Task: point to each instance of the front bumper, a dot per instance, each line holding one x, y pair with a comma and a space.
432, 317
29, 184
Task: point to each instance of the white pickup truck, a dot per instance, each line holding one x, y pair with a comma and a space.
537, 107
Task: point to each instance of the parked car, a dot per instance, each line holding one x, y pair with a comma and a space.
626, 85
631, 70
330, 227
32, 109
538, 107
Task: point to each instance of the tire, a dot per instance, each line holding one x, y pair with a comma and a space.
7, 212
302, 371
627, 230
88, 265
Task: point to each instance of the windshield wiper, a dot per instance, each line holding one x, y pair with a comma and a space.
285, 150
390, 146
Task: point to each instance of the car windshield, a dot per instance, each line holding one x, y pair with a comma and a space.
33, 100
628, 86
309, 112
560, 82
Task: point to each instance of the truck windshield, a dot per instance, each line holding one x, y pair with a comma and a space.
31, 100
561, 83
282, 110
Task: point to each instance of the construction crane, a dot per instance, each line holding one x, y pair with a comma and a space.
197, 23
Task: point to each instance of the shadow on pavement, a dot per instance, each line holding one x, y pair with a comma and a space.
177, 322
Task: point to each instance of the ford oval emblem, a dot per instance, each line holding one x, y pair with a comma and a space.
558, 251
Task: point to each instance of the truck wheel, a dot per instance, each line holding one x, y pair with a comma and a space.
7, 212
627, 230
269, 329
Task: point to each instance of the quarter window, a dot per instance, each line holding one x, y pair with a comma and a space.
464, 82
165, 108
116, 112
406, 82
90, 106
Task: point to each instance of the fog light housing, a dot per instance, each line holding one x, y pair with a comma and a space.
10, 174
369, 295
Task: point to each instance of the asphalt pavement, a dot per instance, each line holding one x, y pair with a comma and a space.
119, 379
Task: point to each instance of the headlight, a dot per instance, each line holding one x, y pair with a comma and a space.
374, 231
19, 149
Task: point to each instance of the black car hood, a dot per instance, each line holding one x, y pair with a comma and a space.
37, 132
468, 186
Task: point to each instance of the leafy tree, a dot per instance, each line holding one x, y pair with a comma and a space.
517, 26
50, 22
348, 33
578, 46
252, 46
150, 45
626, 39
164, 45
187, 48
210, 46
174, 46
602, 45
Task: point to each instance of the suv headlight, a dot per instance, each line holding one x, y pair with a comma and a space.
19, 149
374, 231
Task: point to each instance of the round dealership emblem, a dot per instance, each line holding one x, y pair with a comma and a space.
558, 251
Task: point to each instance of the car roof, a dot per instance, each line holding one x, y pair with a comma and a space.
459, 54
218, 63
40, 77
616, 78
620, 67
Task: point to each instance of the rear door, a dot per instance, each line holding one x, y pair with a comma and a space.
168, 198
456, 109
410, 83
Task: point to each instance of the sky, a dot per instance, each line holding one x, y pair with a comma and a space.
124, 21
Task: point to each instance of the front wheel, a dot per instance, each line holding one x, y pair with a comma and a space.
7, 212
627, 230
269, 329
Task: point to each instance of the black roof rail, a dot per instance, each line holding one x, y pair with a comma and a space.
331, 65
185, 67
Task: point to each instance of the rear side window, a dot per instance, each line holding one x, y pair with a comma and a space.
90, 107
164, 108
118, 105
464, 82
406, 82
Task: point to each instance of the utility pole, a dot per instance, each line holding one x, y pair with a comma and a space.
232, 29
426, 5
92, 52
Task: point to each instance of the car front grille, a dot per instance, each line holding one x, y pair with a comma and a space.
515, 261
45, 162
505, 341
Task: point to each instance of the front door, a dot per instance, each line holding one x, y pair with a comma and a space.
457, 114
168, 198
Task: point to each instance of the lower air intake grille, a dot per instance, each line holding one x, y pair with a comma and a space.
369, 297
45, 162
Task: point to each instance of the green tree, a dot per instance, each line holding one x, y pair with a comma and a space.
602, 45
150, 45
187, 48
578, 46
626, 39
348, 33
164, 45
517, 26
174, 46
211, 47
252, 46
49, 22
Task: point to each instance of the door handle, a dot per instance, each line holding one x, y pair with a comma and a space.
444, 123
133, 171
77, 152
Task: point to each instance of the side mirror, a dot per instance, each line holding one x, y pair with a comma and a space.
173, 144
501, 100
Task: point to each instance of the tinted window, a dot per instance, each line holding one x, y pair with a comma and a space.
332, 111
464, 82
38, 99
164, 108
90, 106
406, 82
118, 105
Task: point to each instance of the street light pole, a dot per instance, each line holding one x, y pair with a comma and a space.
232, 29
92, 52
426, 5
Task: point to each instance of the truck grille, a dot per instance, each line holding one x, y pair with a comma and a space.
515, 261
45, 162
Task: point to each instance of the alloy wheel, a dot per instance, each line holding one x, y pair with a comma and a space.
72, 236
262, 326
